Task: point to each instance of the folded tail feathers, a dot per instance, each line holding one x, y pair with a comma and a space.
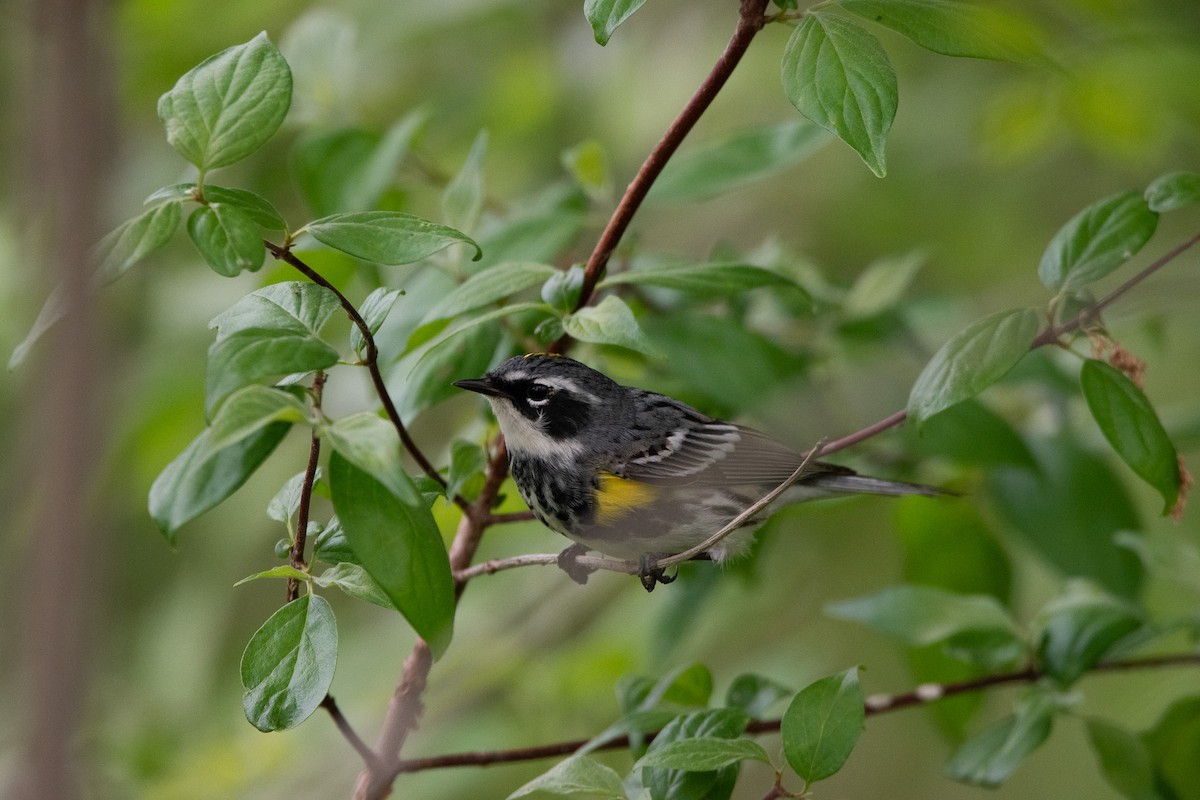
853, 483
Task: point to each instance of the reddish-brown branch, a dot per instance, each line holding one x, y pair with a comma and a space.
750, 21
296, 557
370, 361
879, 704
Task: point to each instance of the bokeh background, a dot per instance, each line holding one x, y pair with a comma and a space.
986, 161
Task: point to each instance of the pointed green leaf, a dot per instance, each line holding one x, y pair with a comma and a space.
577, 775
610, 322
253, 205
1172, 191
705, 279
462, 200
880, 286
1131, 426
605, 16
490, 286
971, 361
664, 782
467, 461
251, 409
755, 694
1096, 241
354, 581
373, 445
822, 725
399, 546
374, 309
227, 238
230, 105
1124, 760
954, 28
838, 75
296, 306
200, 478
736, 161
134, 240
992, 755
451, 334
1077, 628
282, 571
386, 237
922, 615
703, 754
286, 502
1173, 742
288, 665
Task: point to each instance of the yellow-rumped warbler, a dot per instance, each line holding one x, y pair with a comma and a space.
638, 475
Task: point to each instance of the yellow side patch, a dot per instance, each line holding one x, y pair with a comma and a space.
616, 497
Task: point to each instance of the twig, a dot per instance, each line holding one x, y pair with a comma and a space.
875, 705
750, 22
371, 362
343, 725
296, 557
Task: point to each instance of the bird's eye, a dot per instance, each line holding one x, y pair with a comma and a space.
538, 393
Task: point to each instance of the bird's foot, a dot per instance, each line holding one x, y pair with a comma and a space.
651, 574
568, 562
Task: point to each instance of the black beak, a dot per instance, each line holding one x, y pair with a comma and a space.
480, 385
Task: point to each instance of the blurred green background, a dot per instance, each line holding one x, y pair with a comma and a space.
986, 161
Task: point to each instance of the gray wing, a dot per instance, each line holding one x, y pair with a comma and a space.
703, 451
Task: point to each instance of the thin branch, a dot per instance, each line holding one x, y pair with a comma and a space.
750, 21
512, 516
343, 725
371, 362
875, 705
296, 557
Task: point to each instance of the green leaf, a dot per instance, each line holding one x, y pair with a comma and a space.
201, 478
1173, 743
487, 287
971, 433
1078, 627
755, 694
606, 15
1131, 426
880, 286
1096, 241
286, 502
736, 161
990, 757
251, 409
577, 775
633, 724
354, 581
1173, 191
707, 279
462, 200
331, 545
398, 544
953, 28
268, 334
688, 686
588, 165
422, 380
288, 665
134, 240
230, 105
371, 444
838, 75
822, 724
564, 288
227, 238
467, 460
282, 571
1068, 510
386, 237
610, 322
374, 309
1124, 760
971, 361
923, 615
253, 205
703, 754
663, 783
449, 335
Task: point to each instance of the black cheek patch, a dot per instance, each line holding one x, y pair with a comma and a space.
564, 416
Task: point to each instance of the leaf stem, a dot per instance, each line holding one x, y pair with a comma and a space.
371, 361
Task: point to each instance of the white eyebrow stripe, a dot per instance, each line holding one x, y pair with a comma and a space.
569, 386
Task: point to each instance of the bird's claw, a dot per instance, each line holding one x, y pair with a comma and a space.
651, 574
568, 562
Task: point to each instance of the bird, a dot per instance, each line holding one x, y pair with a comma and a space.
637, 475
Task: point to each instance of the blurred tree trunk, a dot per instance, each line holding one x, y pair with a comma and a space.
68, 108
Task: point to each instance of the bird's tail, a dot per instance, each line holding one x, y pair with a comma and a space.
858, 484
